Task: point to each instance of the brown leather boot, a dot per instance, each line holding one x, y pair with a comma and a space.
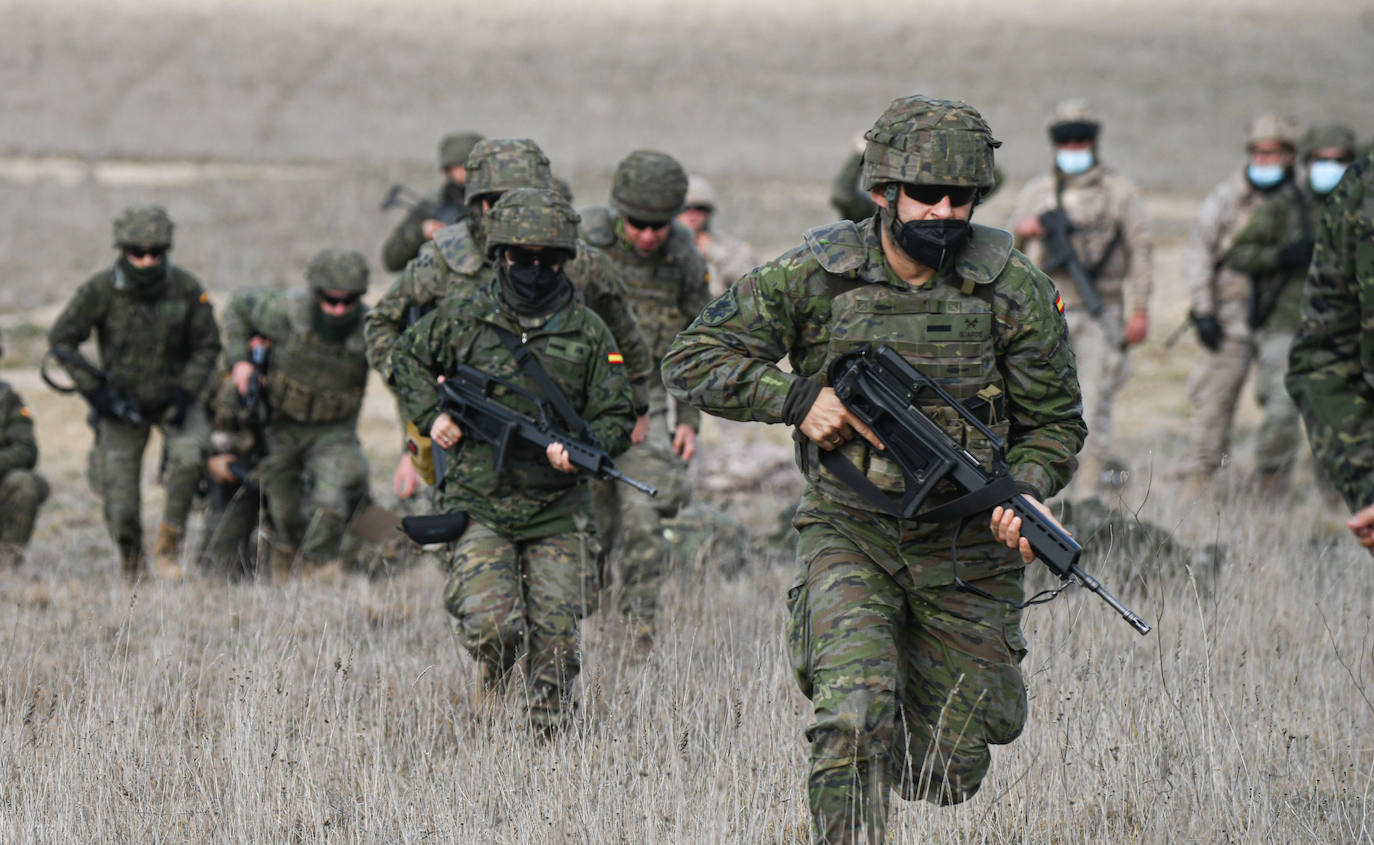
282, 559
166, 553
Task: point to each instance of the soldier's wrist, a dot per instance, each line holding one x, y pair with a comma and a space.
800, 397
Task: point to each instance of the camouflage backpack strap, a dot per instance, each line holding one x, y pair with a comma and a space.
838, 247
459, 249
598, 226
985, 256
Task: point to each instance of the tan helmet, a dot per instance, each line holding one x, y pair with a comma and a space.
532, 217
454, 148
337, 269
497, 165
146, 226
1273, 127
923, 140
1073, 119
650, 186
700, 194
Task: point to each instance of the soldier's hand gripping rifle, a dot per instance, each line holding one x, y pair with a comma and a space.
254, 412
105, 401
883, 390
1059, 252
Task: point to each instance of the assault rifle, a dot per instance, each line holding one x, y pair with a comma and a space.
466, 396
884, 391
105, 401
1059, 252
446, 213
254, 413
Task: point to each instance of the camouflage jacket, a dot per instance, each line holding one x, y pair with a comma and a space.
727, 258
1285, 217
528, 498
150, 348
18, 447
1331, 366
1109, 221
408, 237
667, 289
453, 262
987, 328
309, 380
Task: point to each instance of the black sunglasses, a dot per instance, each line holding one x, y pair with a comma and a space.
522, 257
932, 194
647, 224
350, 299
145, 251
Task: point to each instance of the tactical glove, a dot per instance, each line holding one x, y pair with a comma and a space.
110, 401
1209, 331
1297, 254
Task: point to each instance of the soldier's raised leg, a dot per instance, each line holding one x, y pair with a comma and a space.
484, 593
554, 603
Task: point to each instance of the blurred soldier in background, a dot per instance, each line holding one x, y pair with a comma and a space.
668, 284
1327, 151
1085, 223
1244, 264
457, 262
429, 216
1333, 352
314, 388
158, 343
727, 257
911, 677
524, 571
21, 489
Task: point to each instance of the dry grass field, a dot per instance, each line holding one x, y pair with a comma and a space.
344, 711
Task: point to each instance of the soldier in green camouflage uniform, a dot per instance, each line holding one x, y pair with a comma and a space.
158, 342
524, 572
1333, 353
668, 284
456, 262
911, 678
21, 489
425, 219
314, 389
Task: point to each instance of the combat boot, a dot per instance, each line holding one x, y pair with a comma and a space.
166, 553
283, 557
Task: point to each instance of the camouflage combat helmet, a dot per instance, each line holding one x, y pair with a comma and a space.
504, 164
927, 141
1073, 120
649, 186
563, 188
535, 217
700, 194
337, 269
454, 148
147, 226
1272, 127
1328, 135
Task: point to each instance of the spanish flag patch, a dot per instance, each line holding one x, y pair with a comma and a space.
24, 412
1059, 303
614, 358
204, 297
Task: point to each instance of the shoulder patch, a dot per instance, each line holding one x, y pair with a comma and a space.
24, 412
615, 358
838, 247
983, 260
458, 249
597, 226
720, 309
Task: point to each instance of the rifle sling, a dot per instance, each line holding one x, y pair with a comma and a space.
535, 370
1095, 271
1001, 489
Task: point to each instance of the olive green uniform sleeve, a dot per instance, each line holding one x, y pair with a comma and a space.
405, 240
418, 358
1332, 359
203, 333
240, 325
695, 294
82, 314
610, 408
18, 446
601, 286
415, 287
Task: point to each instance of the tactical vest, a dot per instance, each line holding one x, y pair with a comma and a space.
144, 344
944, 329
459, 248
309, 380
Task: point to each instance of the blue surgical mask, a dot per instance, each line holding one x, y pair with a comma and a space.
1324, 175
1071, 162
1265, 175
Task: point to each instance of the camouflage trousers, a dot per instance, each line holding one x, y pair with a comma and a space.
1099, 345
518, 605
1280, 430
910, 683
314, 477
116, 470
229, 546
21, 492
1215, 388
630, 524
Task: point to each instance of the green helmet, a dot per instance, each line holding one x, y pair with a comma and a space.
927, 141
532, 217
1072, 120
454, 149
1328, 135
649, 186
563, 188
337, 269
147, 226
1273, 127
504, 164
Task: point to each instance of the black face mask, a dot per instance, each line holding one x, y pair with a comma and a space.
933, 243
532, 289
145, 282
